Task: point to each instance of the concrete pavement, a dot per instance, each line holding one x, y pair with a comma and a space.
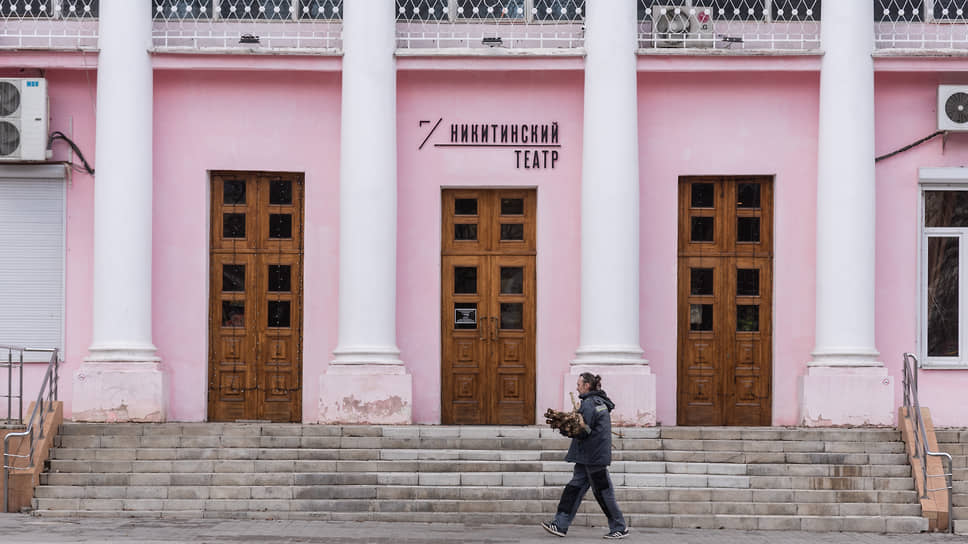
19, 528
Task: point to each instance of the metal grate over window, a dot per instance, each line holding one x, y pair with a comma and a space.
481, 24
48, 24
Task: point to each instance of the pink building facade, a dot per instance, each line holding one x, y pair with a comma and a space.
390, 122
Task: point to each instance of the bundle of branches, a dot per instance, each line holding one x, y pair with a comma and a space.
569, 424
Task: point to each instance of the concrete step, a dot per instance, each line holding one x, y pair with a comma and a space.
873, 524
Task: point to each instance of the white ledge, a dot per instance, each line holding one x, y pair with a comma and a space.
495, 52
704, 52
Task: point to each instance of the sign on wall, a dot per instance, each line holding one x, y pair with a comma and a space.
530, 146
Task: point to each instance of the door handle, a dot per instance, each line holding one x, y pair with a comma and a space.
494, 330
482, 327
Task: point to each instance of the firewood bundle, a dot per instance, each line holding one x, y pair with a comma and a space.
569, 424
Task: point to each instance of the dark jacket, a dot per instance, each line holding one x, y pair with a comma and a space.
594, 445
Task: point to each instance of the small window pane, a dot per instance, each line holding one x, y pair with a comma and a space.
512, 280
465, 232
512, 206
748, 195
465, 315
233, 277
559, 10
950, 10
703, 195
280, 192
942, 277
702, 229
233, 313
424, 10
748, 282
182, 9
256, 9
748, 229
796, 10
747, 318
280, 278
278, 313
502, 10
701, 281
946, 208
700, 317
737, 10
512, 315
465, 279
898, 10
465, 206
280, 225
513, 231
321, 9
233, 225
77, 8
233, 192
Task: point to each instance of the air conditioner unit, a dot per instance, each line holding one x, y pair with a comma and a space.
682, 26
953, 108
23, 119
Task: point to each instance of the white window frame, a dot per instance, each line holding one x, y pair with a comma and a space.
942, 179
50, 173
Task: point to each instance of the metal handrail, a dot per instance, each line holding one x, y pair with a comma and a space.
10, 364
43, 407
921, 450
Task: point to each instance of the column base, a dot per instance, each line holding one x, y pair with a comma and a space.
120, 391
630, 386
380, 394
846, 396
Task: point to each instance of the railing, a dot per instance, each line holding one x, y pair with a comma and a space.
247, 25
733, 25
10, 363
487, 24
48, 24
921, 24
921, 451
43, 407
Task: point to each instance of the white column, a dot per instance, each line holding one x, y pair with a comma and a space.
367, 382
121, 380
845, 383
610, 215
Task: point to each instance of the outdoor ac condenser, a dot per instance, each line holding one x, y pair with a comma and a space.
682, 26
23, 119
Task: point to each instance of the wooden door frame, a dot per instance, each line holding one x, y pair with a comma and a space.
296, 247
488, 249
725, 232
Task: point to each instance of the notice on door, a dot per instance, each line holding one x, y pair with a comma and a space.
465, 316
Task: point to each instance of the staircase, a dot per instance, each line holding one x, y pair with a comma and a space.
672, 477
955, 442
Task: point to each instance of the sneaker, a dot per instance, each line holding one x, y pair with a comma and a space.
552, 528
615, 535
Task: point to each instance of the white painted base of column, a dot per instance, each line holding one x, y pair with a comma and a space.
846, 396
379, 394
120, 391
630, 386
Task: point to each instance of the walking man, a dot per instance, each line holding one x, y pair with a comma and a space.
591, 451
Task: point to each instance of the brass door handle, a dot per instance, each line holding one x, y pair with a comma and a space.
482, 327
494, 330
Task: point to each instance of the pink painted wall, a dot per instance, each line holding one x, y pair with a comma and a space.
906, 110
491, 97
730, 124
281, 121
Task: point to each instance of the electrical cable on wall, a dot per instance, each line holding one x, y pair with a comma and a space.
905, 148
58, 135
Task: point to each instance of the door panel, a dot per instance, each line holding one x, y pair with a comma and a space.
255, 354
725, 301
488, 307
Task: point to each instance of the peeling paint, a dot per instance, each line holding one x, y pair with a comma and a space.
367, 412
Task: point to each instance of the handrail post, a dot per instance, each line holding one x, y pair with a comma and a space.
20, 397
9, 384
6, 479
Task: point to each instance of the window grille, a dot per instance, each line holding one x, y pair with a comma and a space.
48, 24
482, 24
729, 24
921, 24
270, 25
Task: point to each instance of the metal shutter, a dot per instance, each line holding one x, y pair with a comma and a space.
32, 257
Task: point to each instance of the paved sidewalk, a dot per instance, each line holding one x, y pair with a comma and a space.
18, 528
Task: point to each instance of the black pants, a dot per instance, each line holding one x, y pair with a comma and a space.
596, 477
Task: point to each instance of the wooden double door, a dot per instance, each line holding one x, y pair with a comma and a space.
255, 303
725, 303
488, 307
